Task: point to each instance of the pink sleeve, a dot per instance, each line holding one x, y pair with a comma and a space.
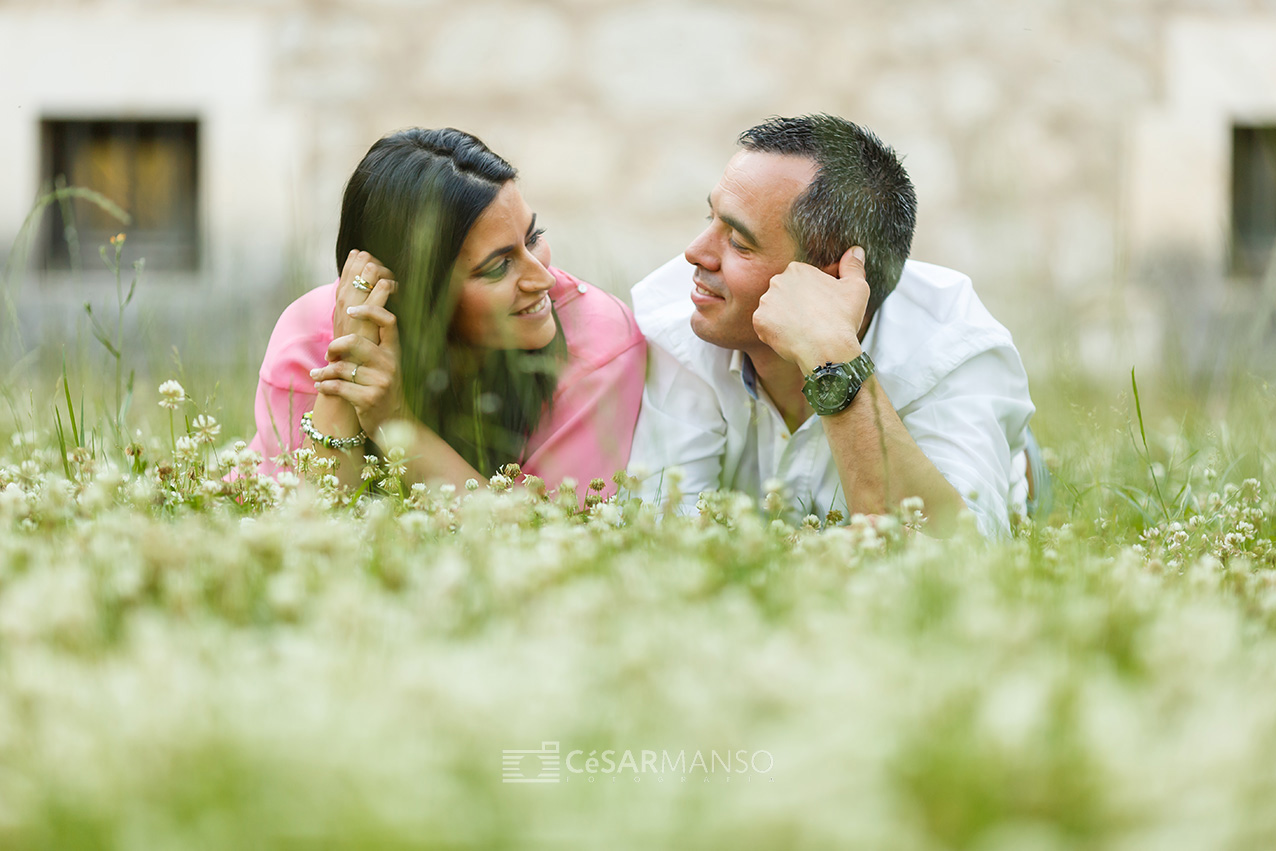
285, 390
278, 414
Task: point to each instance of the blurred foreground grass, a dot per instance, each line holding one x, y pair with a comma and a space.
179, 669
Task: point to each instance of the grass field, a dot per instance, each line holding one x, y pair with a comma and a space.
185, 666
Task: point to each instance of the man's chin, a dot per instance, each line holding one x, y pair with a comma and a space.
704, 329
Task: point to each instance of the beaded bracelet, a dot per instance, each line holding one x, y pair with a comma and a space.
328, 441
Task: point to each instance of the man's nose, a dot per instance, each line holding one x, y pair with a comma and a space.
701, 253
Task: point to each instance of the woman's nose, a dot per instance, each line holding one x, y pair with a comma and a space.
538, 278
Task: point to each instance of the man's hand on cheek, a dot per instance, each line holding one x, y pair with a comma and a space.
809, 317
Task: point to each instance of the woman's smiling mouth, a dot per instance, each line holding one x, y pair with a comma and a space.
541, 304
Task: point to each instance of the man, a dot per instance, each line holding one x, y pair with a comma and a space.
795, 342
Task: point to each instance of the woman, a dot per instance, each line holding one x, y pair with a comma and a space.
487, 352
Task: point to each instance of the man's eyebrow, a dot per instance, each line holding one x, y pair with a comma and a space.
738, 226
506, 250
734, 223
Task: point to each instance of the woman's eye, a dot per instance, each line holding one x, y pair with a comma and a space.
498, 271
535, 237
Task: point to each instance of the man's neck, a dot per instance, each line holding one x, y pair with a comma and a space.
782, 381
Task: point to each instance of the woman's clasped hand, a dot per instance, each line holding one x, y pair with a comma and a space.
363, 358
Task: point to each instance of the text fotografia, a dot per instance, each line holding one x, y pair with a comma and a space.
547, 766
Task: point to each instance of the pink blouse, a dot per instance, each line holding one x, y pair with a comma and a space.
585, 434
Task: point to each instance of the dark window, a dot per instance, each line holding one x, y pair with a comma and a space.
1253, 199
148, 168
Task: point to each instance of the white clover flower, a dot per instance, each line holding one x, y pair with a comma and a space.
499, 483
288, 481
269, 491
773, 503
206, 428
396, 464
607, 512
886, 524
173, 395
471, 484
13, 501
396, 434
186, 448
20, 439
247, 460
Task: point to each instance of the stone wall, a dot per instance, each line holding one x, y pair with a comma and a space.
1056, 146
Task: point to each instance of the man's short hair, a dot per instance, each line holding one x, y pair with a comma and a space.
860, 195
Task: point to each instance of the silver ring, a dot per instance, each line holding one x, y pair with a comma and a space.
360, 284
353, 373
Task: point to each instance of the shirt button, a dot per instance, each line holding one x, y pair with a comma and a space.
580, 288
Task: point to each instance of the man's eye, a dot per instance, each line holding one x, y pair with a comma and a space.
737, 246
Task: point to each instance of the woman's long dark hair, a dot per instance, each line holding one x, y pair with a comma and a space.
411, 203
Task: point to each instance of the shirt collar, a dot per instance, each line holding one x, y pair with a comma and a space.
869, 343
743, 367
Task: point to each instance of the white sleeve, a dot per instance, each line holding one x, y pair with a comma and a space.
972, 426
679, 425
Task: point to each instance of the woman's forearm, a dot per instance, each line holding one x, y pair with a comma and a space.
336, 417
432, 460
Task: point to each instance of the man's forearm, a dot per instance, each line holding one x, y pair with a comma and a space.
880, 465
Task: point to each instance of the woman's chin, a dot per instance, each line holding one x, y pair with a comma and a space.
525, 334
543, 335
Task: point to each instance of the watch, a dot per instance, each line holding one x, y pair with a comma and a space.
830, 388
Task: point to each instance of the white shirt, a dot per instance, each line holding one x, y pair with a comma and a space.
950, 370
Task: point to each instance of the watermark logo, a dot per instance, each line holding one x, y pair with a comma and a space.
546, 765
532, 766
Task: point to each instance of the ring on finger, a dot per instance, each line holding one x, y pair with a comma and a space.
353, 373
360, 284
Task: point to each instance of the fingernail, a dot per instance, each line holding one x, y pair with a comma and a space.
858, 253
350, 310
316, 385
314, 373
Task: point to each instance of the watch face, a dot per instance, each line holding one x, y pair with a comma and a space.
830, 390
